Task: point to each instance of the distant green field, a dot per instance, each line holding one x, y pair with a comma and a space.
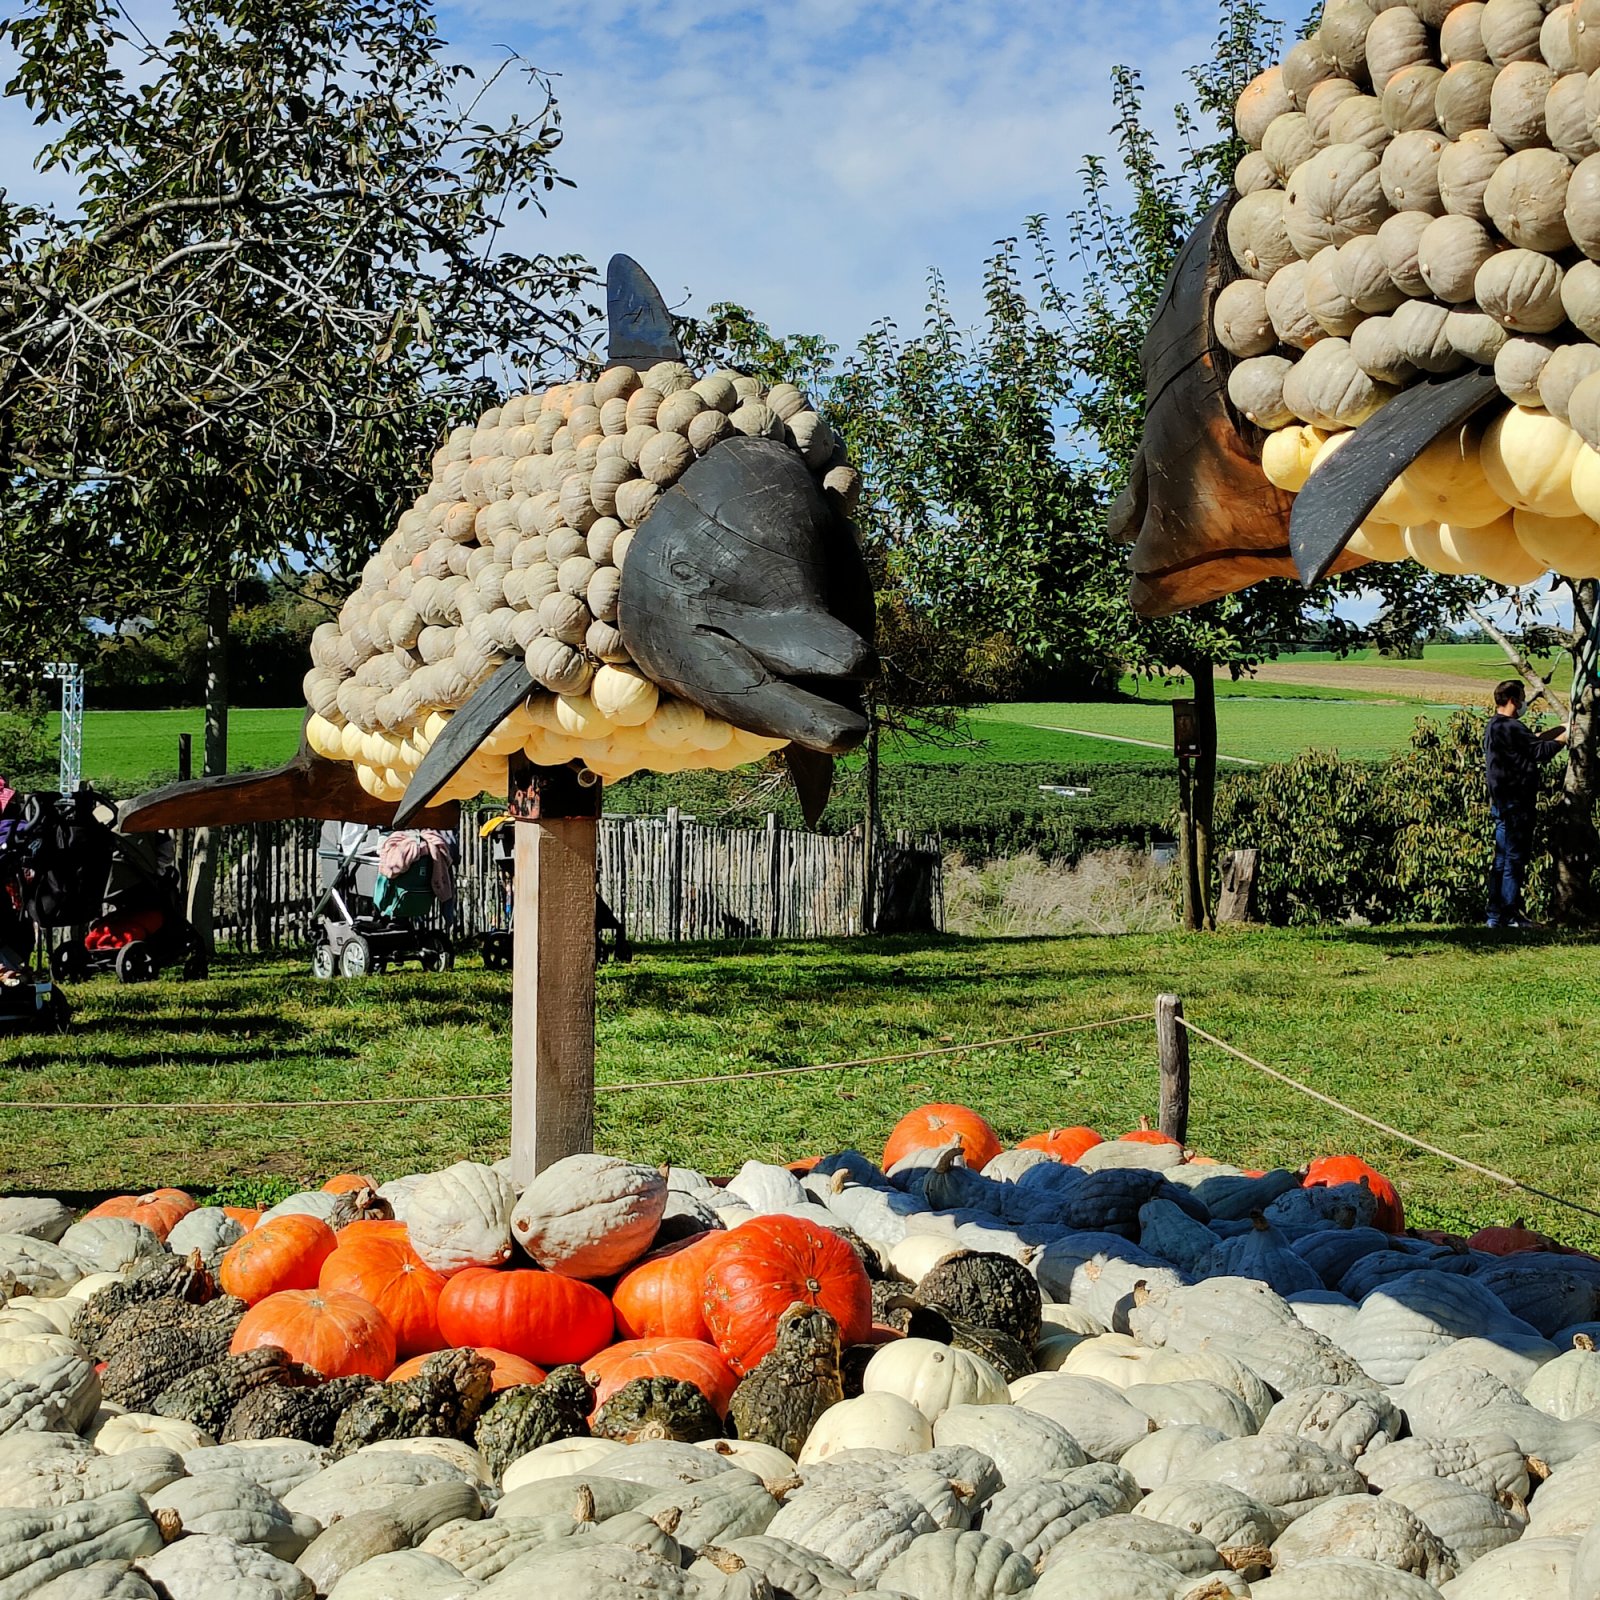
1486, 661
1256, 721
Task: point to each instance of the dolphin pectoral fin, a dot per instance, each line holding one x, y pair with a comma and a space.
467, 729
1338, 497
308, 786
812, 776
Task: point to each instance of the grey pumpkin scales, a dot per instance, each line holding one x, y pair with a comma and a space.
1383, 345
653, 570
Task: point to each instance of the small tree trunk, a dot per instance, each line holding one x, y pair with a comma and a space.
1577, 847
203, 872
1205, 790
869, 899
1188, 876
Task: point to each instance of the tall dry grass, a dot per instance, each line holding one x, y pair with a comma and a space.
1105, 891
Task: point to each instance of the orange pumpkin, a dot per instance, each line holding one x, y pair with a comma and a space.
348, 1183
1513, 1241
931, 1126
1391, 1214
246, 1216
662, 1296
1145, 1134
543, 1317
1065, 1144
285, 1253
765, 1266
690, 1360
373, 1228
160, 1211
393, 1277
335, 1333
509, 1370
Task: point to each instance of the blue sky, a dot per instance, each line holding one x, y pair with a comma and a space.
811, 160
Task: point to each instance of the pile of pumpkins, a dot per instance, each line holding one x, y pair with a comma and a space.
1422, 196
1079, 1368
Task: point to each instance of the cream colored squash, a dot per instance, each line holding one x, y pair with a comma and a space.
1114, 1358
933, 1377
562, 1459
1289, 454
1493, 550
1424, 547
1528, 458
139, 1430
1447, 483
1378, 541
880, 1421
918, 1254
461, 1217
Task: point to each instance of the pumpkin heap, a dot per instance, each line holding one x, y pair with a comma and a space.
1077, 1368
1422, 194
516, 549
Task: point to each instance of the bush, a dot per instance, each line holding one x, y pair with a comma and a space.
28, 755
1104, 891
1409, 839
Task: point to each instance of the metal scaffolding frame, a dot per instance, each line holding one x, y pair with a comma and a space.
70, 676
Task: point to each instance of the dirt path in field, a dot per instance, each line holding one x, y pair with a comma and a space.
1401, 682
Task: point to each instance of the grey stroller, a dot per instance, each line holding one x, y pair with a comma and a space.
369, 923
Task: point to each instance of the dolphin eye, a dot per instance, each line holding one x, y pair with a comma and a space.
684, 571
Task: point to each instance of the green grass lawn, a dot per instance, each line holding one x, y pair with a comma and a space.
1484, 1049
1485, 661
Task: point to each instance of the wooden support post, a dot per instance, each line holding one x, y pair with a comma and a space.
674, 874
552, 984
774, 877
185, 757
1172, 1046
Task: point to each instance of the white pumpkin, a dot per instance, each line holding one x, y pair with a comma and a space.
461, 1217
770, 1465
562, 1459
917, 1254
1166, 1455
205, 1565
138, 1430
878, 1421
108, 1244
410, 1573
589, 1216
1530, 1569
1569, 1386
1114, 1358
933, 1377
1022, 1444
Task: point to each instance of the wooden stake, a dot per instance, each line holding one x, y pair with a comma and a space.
552, 984
1172, 1046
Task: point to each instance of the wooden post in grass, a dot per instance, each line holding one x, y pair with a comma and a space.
552, 980
1172, 1047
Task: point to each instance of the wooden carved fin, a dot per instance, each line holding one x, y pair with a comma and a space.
637, 318
466, 730
1337, 499
812, 775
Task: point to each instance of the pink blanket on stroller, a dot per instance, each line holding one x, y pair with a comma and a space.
401, 850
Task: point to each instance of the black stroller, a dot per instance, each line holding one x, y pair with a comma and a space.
123, 890
370, 922
29, 1001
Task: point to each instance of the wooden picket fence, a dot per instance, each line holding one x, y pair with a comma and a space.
666, 878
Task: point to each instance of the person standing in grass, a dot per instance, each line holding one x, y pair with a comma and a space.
1512, 756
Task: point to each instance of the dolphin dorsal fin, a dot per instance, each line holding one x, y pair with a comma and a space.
639, 324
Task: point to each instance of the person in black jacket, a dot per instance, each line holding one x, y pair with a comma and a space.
1512, 756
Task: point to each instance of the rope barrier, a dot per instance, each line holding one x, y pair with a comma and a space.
1383, 1127
601, 1088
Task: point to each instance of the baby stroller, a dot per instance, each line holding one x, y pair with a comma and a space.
29, 1001
122, 889
370, 920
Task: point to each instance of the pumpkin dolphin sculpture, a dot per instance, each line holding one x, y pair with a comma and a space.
1383, 345
646, 571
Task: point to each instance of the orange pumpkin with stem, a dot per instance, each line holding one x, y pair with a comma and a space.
284, 1253
935, 1125
1065, 1144
691, 1360
509, 1370
1145, 1134
1391, 1214
246, 1216
336, 1333
393, 1277
543, 1317
662, 1297
765, 1266
160, 1211
373, 1228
